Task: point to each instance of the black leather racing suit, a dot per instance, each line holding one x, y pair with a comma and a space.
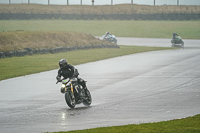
68, 72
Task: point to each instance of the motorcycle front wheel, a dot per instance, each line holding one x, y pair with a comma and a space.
115, 41
173, 44
70, 100
182, 44
88, 99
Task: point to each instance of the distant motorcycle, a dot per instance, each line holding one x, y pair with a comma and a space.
178, 40
74, 93
110, 38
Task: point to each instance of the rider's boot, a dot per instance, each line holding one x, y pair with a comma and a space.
80, 94
85, 90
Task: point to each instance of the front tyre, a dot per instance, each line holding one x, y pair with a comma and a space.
182, 44
173, 44
88, 99
70, 99
115, 40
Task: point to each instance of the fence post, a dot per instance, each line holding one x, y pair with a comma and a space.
93, 2
131, 1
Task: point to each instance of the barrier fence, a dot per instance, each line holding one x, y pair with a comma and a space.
92, 2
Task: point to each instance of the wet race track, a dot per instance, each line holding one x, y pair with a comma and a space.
139, 88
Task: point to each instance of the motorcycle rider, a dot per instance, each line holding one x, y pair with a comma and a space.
174, 36
67, 71
107, 34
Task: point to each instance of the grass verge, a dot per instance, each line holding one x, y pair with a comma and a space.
186, 125
20, 66
19, 40
125, 28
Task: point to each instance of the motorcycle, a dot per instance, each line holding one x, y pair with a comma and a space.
110, 38
74, 93
177, 40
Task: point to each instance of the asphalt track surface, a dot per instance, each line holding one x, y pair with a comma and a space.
138, 88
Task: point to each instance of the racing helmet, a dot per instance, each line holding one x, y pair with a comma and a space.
107, 32
63, 63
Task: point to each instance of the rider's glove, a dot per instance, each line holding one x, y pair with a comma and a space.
59, 79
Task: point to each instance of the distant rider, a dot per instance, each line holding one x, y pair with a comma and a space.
107, 34
67, 71
175, 36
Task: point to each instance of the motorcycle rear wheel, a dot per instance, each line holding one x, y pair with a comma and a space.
70, 100
88, 100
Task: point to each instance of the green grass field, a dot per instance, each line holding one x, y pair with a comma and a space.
144, 29
20, 66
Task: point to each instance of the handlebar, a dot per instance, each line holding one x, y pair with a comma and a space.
74, 76
58, 81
